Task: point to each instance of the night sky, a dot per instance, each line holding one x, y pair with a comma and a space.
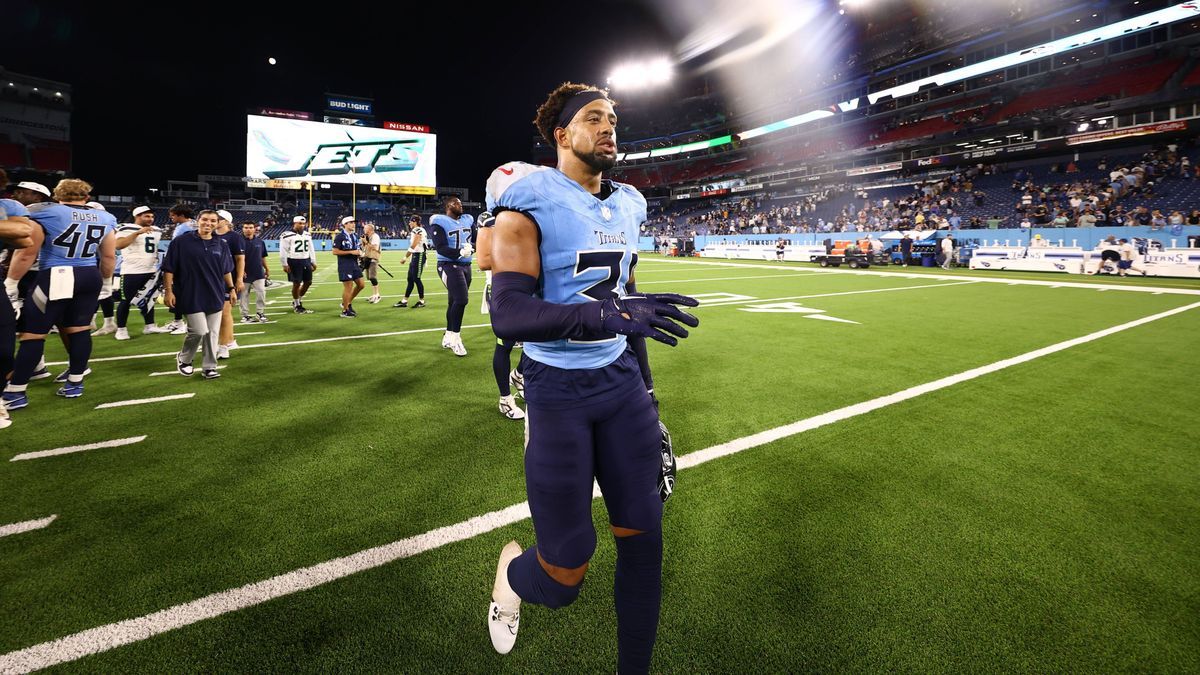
163, 93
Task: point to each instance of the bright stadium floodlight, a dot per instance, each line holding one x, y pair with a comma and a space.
642, 74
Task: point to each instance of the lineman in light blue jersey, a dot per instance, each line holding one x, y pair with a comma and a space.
15, 231
453, 236
563, 251
70, 241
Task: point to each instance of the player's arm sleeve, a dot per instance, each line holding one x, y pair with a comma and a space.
283, 244
442, 243
312, 252
519, 315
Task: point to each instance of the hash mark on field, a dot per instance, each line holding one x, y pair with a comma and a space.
110, 636
79, 448
254, 332
140, 401
26, 526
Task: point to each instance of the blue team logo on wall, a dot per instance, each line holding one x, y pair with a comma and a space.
1176, 230
1060, 266
985, 263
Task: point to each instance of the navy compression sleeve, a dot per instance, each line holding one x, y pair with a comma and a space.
518, 315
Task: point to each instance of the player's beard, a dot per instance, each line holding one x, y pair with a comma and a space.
598, 163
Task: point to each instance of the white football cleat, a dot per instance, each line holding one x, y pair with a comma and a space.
179, 329
222, 352
458, 347
504, 614
108, 328
154, 329
517, 381
511, 410
446, 340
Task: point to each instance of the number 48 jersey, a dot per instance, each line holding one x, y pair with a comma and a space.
73, 233
588, 248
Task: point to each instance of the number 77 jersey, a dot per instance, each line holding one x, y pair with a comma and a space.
588, 246
73, 233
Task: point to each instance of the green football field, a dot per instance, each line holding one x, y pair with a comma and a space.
907, 470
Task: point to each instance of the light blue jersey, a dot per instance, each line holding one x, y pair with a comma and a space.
588, 248
73, 233
458, 234
12, 207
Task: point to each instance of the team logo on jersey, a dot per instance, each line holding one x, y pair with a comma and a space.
337, 159
606, 213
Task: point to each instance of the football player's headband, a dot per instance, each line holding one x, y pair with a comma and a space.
575, 104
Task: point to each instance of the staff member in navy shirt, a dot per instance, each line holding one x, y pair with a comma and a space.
200, 267
348, 249
256, 275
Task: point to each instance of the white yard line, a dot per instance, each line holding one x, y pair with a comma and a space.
829, 295
253, 332
960, 277
142, 401
25, 526
79, 448
110, 636
281, 344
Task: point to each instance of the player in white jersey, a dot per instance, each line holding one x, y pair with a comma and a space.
140, 283
298, 258
415, 258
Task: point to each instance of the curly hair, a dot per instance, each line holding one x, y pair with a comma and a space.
548, 112
72, 190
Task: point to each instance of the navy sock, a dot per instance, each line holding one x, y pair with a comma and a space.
80, 351
637, 595
529, 579
500, 366
28, 355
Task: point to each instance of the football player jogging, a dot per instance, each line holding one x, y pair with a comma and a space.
256, 275
415, 259
372, 248
501, 357
298, 258
347, 246
140, 280
237, 247
563, 252
198, 281
453, 234
70, 240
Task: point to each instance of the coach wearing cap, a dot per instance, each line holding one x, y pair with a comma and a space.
347, 246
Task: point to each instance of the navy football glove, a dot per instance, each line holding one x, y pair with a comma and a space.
649, 315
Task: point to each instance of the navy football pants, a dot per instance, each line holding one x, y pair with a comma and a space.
457, 279
617, 442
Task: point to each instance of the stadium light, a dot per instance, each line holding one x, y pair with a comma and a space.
642, 74
271, 60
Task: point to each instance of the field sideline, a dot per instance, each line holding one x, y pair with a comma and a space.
916, 470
